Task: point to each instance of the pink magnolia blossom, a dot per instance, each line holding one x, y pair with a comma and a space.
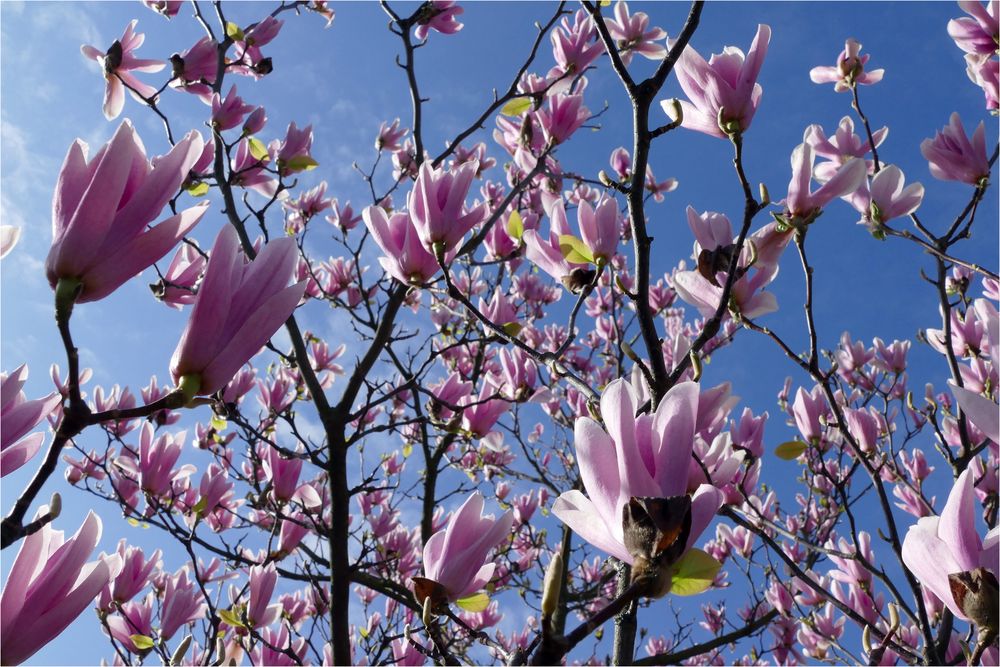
599, 228
437, 206
714, 231
841, 147
635, 457
228, 112
953, 157
979, 32
177, 288
9, 236
631, 36
984, 71
118, 63
941, 545
546, 253
438, 15
658, 188
292, 154
343, 216
389, 136
248, 172
980, 410
406, 259
803, 205
239, 307
154, 470
49, 585
183, 603
621, 163
195, 70
134, 575
301, 210
574, 45
455, 557
564, 116
807, 410
886, 198
133, 619
101, 209
849, 70
168, 8
723, 93
262, 581
255, 121
18, 415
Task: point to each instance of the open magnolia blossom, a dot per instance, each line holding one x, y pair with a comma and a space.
635, 474
50, 584
239, 307
454, 557
723, 93
939, 547
102, 209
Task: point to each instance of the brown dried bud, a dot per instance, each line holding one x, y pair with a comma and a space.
428, 591
176, 66
976, 594
578, 279
656, 532
113, 58
265, 66
711, 262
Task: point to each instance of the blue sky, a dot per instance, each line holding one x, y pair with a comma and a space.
344, 82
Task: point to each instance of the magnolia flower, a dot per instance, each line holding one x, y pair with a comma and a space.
239, 307
454, 557
228, 112
118, 64
262, 581
723, 93
195, 70
981, 411
406, 259
646, 456
101, 210
167, 8
547, 253
984, 71
953, 157
849, 70
564, 116
438, 15
437, 206
714, 246
978, 32
18, 416
631, 36
841, 147
886, 198
389, 136
939, 546
49, 585
802, 204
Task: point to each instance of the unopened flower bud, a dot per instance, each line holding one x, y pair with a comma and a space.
695, 365
674, 111
428, 615
177, 658
55, 506
553, 582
